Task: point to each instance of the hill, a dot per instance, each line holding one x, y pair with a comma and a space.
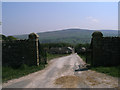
69, 35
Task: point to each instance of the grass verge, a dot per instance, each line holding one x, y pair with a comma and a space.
11, 73
112, 71
83, 57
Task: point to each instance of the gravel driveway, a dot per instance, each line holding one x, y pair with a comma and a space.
60, 73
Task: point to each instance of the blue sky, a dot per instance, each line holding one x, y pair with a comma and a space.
26, 17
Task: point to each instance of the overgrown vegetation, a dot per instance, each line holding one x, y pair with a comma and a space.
11, 73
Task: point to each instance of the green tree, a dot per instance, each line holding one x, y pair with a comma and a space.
3, 37
11, 38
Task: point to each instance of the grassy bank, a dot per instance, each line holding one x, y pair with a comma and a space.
83, 57
11, 73
52, 56
112, 71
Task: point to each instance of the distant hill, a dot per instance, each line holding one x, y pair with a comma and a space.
69, 35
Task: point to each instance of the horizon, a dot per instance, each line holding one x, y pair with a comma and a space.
26, 17
59, 30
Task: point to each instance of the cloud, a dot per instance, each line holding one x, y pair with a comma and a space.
92, 19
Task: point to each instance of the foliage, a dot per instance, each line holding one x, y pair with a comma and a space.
10, 38
79, 46
5, 38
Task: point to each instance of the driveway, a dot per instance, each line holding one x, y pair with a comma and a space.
60, 73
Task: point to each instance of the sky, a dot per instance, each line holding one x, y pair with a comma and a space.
27, 17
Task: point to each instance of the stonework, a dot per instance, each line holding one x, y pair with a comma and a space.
18, 52
33, 37
104, 50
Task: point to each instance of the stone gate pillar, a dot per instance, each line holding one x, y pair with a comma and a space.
34, 39
96, 48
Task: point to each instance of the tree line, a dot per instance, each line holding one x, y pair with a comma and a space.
47, 46
7, 38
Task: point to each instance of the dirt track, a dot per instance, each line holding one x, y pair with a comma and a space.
60, 73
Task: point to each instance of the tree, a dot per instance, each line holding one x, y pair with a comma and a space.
10, 38
3, 37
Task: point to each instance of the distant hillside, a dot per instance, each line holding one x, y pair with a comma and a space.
69, 35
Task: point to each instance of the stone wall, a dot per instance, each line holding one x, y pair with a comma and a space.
18, 52
105, 51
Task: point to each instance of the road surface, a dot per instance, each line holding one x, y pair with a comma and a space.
60, 73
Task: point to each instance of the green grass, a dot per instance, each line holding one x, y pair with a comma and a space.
112, 71
83, 57
52, 56
11, 73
